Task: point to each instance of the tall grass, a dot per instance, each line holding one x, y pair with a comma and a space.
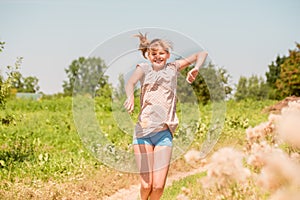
39, 141
265, 165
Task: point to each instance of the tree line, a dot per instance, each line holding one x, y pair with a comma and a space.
15, 80
282, 79
87, 75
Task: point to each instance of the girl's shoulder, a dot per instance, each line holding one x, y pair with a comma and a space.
173, 65
144, 66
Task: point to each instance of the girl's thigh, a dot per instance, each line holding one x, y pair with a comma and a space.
144, 157
161, 162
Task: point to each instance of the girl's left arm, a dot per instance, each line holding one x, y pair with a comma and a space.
129, 88
199, 58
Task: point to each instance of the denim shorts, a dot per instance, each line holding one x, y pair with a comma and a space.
161, 138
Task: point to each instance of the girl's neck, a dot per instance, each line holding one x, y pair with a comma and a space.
158, 68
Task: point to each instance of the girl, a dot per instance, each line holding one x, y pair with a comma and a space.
157, 119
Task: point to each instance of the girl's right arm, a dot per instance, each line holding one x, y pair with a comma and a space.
199, 58
129, 88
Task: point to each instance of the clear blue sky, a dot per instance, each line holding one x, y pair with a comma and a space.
244, 37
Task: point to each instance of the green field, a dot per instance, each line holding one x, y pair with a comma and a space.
40, 144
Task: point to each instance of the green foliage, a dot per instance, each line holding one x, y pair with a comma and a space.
119, 92
253, 87
241, 89
39, 141
6, 84
171, 193
25, 84
88, 75
283, 75
239, 116
289, 82
17, 149
1, 46
31, 84
274, 71
15, 80
211, 84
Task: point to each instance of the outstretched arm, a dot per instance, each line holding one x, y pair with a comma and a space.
199, 58
129, 88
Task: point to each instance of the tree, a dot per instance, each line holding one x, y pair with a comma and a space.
257, 88
88, 75
211, 84
241, 89
273, 75
31, 84
289, 82
1, 46
119, 91
17, 83
1, 77
25, 84
274, 71
253, 87
6, 84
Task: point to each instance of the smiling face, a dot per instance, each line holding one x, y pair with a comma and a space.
158, 56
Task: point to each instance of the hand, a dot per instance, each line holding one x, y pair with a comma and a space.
129, 104
192, 74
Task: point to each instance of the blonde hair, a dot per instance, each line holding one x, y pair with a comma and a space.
146, 45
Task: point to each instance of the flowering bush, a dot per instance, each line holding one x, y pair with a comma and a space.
267, 168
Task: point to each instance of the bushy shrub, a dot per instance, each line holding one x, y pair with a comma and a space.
267, 167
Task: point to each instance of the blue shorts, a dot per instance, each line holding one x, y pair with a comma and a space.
161, 138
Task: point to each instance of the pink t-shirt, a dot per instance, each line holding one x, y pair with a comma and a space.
157, 100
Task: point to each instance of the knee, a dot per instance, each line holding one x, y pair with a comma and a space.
146, 186
157, 188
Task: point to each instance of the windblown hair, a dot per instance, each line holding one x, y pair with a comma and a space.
146, 45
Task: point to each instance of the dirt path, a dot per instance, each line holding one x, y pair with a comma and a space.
133, 191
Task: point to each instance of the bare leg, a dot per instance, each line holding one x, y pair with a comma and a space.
144, 159
162, 157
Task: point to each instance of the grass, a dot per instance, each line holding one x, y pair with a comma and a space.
39, 142
239, 116
173, 191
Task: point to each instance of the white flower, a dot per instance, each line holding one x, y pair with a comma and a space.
225, 167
